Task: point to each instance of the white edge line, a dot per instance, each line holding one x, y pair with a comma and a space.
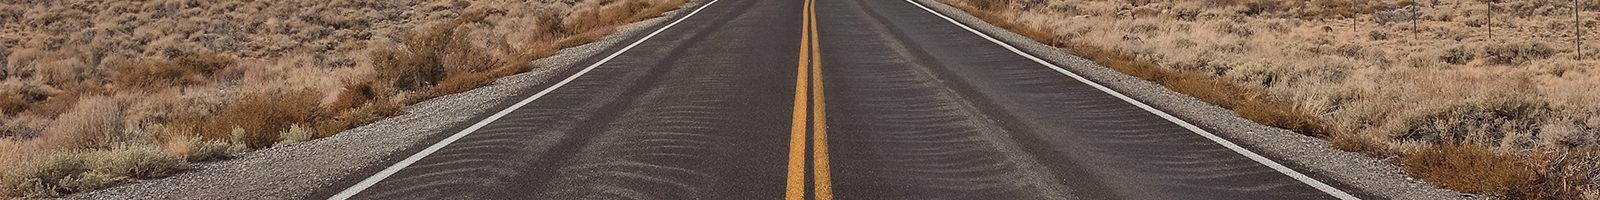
1335, 192
375, 178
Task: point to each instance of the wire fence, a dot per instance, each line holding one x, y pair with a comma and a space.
1493, 11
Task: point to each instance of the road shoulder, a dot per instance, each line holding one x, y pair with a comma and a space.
1372, 177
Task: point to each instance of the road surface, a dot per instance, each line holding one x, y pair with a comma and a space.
825, 99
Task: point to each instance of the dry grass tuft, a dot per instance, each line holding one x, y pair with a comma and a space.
1557, 174
411, 68
263, 115
355, 94
95, 123
368, 112
1483, 121
1517, 53
1368, 144
54, 173
462, 82
1469, 168
151, 74
51, 174
295, 134
253, 120
132, 161
193, 148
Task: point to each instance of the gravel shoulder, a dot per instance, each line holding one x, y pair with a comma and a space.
309, 169
1368, 177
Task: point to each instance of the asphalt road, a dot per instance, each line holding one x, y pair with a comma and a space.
744, 99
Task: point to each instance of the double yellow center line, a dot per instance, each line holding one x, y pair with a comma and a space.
808, 98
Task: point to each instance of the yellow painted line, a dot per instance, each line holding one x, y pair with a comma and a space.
819, 130
809, 79
797, 130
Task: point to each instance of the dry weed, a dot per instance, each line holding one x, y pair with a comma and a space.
1563, 175
54, 173
295, 134
263, 115
193, 148
96, 122
1469, 168
368, 112
48, 174
148, 74
132, 161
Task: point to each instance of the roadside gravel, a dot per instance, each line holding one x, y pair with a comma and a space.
1381, 178
303, 170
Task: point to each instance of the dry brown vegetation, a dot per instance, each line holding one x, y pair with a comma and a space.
1505, 105
96, 92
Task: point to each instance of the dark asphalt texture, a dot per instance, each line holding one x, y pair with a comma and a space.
917, 108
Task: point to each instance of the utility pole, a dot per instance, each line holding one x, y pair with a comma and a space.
1577, 28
